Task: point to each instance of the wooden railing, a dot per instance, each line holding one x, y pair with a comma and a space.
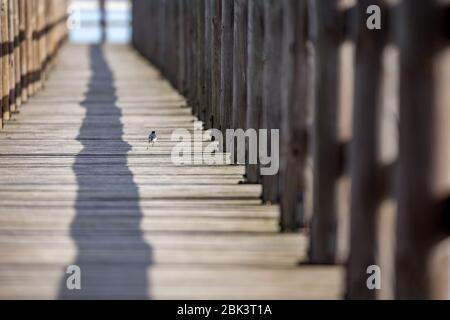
31, 34
364, 115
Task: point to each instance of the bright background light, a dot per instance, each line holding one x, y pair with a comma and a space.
87, 24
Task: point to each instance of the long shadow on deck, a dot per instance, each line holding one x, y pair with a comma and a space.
112, 253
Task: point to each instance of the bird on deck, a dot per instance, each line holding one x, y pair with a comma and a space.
152, 138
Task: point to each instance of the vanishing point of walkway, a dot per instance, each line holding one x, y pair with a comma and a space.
79, 187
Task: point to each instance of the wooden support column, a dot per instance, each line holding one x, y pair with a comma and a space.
424, 163
192, 55
216, 62
226, 94
208, 63
326, 38
103, 35
38, 35
17, 60
272, 75
1, 68
12, 65
30, 47
295, 84
49, 35
5, 60
181, 72
200, 59
150, 43
32, 12
240, 64
173, 21
255, 69
168, 50
365, 173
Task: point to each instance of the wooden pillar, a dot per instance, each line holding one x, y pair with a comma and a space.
240, 64
168, 27
5, 60
195, 59
174, 40
185, 44
191, 55
135, 24
216, 39
162, 39
48, 38
173, 21
208, 63
30, 47
255, 69
200, 59
102, 5
38, 43
272, 85
12, 65
181, 44
226, 92
17, 56
424, 163
36, 74
1, 69
365, 171
295, 84
326, 148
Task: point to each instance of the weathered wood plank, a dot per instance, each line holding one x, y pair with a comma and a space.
78, 186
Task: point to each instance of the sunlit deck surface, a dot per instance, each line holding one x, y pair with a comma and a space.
78, 186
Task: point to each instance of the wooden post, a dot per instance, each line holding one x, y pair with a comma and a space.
48, 39
38, 43
240, 64
226, 92
208, 64
1, 68
216, 62
30, 47
190, 39
43, 41
12, 66
364, 165
255, 69
272, 85
326, 166
35, 46
173, 44
5, 60
17, 64
102, 5
295, 83
183, 47
181, 71
424, 163
200, 59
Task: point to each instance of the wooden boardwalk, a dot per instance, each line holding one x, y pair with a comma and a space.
79, 187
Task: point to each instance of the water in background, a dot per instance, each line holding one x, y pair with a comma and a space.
85, 21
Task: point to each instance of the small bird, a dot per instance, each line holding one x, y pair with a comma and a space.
152, 138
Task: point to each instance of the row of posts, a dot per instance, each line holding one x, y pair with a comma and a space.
360, 92
31, 32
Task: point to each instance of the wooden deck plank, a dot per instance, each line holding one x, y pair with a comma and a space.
78, 186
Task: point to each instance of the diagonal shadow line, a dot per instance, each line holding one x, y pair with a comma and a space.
110, 268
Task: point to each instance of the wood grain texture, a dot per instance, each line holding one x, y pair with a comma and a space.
78, 186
